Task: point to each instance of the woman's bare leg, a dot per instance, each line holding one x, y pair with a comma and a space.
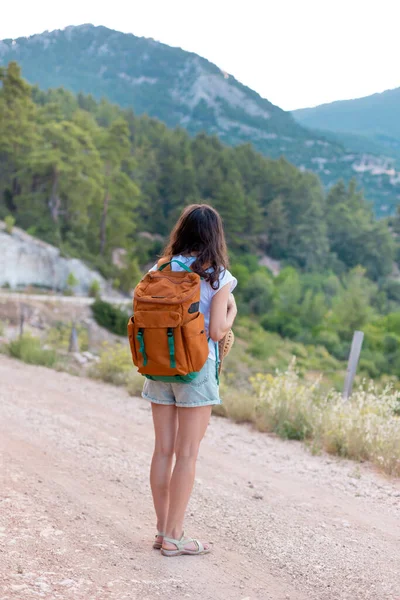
193, 424
165, 419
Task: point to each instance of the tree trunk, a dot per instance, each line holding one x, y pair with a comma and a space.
16, 187
55, 200
103, 224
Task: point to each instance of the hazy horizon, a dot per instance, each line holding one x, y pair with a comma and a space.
319, 55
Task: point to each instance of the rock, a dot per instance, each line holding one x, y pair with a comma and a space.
89, 355
80, 358
119, 257
25, 260
346, 524
19, 587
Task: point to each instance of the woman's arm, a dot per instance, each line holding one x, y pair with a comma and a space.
223, 313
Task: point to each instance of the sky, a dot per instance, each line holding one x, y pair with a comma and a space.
295, 53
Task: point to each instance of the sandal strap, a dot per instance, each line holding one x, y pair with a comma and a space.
180, 544
200, 547
173, 541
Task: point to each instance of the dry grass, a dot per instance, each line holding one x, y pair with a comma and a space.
364, 428
134, 383
237, 405
367, 427
114, 365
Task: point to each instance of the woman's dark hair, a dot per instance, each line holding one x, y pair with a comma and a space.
199, 230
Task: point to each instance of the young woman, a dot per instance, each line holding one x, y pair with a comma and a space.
181, 411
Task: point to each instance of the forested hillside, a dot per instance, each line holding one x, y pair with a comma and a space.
93, 178
89, 175
185, 90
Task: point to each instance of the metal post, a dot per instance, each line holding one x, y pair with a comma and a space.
353, 363
21, 319
73, 340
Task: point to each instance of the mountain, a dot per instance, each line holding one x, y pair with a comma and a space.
182, 89
378, 114
373, 121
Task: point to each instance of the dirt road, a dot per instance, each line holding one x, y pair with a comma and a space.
76, 518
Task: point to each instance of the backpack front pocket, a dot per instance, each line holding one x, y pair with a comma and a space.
196, 344
159, 343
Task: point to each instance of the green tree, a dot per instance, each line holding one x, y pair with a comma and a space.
354, 236
259, 293
65, 177
17, 133
352, 307
120, 192
277, 228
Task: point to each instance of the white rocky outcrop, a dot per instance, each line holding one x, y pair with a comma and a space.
25, 260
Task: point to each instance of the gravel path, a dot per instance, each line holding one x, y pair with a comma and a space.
76, 518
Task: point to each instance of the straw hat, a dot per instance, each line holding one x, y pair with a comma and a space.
224, 347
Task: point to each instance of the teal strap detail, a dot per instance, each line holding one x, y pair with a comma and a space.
142, 350
174, 378
217, 362
171, 346
183, 266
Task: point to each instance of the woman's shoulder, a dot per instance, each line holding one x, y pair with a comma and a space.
225, 278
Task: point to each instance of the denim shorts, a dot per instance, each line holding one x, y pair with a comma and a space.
202, 391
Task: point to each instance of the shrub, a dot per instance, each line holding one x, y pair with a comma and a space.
259, 293
111, 317
134, 383
129, 276
366, 427
329, 339
58, 336
114, 365
72, 282
29, 349
94, 289
258, 348
285, 405
10, 222
285, 324
237, 405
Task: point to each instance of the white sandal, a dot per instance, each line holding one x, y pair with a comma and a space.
180, 547
158, 545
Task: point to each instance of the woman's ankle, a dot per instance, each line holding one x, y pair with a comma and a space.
160, 529
175, 533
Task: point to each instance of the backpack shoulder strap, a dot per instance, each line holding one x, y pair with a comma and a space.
161, 265
163, 262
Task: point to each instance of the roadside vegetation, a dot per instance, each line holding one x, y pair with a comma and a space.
296, 402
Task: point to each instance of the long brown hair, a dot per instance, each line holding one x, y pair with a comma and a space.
200, 230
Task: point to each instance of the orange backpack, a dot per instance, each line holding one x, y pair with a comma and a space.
166, 332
